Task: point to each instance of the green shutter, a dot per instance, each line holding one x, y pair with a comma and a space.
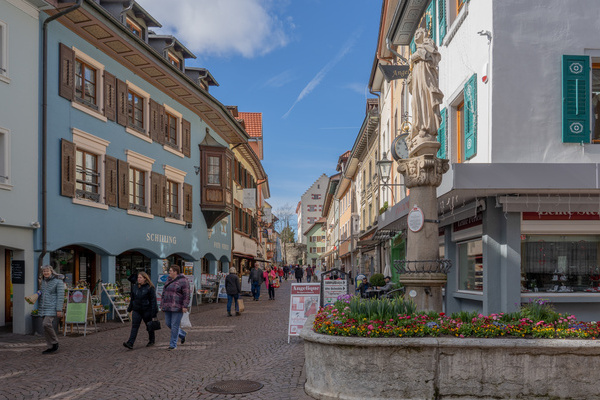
442, 19
470, 117
442, 135
430, 20
576, 99
413, 46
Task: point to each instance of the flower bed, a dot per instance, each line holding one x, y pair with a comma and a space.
352, 316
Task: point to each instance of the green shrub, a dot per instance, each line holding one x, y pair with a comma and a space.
377, 280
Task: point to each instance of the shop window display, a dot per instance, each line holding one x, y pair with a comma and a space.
560, 264
470, 265
127, 264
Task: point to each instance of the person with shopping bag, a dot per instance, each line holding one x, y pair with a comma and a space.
175, 301
51, 299
143, 307
233, 289
270, 278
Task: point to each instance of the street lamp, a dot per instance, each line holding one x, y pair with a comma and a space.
385, 167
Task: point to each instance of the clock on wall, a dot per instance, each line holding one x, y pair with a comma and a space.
399, 148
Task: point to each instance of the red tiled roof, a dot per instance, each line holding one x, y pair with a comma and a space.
253, 121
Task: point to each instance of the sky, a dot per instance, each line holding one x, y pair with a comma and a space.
304, 64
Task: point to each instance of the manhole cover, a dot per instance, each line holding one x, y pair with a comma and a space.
234, 387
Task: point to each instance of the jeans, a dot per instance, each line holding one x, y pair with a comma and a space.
299, 280
272, 292
173, 320
136, 321
256, 289
231, 297
308, 278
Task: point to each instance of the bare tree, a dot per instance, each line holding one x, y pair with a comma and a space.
285, 217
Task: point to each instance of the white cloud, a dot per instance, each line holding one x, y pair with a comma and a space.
222, 27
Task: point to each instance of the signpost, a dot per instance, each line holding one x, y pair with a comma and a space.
332, 289
304, 302
393, 72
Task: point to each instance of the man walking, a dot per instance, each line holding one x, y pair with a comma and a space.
52, 294
309, 273
255, 279
298, 273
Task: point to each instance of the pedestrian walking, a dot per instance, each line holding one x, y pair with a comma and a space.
309, 274
175, 301
233, 288
143, 307
286, 271
255, 279
270, 277
298, 273
52, 297
280, 274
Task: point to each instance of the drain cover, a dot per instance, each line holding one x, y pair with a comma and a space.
234, 387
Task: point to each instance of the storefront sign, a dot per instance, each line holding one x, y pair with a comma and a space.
415, 219
17, 271
393, 72
156, 237
561, 216
250, 198
468, 222
304, 302
332, 289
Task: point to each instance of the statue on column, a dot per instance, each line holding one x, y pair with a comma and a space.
423, 85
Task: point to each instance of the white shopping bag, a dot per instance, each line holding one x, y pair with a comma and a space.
185, 320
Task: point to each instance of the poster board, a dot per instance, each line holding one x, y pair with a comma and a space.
160, 287
222, 294
79, 307
304, 302
332, 289
246, 285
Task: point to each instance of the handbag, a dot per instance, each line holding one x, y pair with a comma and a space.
241, 305
153, 325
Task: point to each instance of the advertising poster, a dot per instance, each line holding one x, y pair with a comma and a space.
332, 289
222, 292
304, 302
77, 305
246, 286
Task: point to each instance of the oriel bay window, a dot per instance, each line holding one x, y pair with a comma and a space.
217, 196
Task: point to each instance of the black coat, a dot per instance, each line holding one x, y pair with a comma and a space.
232, 284
299, 273
143, 300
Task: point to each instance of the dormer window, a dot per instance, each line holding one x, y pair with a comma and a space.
174, 60
134, 28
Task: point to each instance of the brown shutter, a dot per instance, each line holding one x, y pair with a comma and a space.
123, 171
110, 96
163, 197
155, 194
187, 202
110, 180
186, 137
155, 125
121, 103
67, 184
67, 72
162, 121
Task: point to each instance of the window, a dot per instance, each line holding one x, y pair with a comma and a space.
87, 184
596, 103
214, 170
4, 52
174, 60
173, 200
171, 133
140, 168
135, 110
560, 263
4, 159
137, 190
470, 265
134, 28
316, 196
173, 130
85, 83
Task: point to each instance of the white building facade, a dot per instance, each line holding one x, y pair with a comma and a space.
310, 208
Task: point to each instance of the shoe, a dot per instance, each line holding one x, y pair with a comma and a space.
128, 345
183, 340
171, 348
51, 349
237, 313
228, 314
150, 344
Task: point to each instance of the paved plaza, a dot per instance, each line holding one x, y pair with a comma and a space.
253, 346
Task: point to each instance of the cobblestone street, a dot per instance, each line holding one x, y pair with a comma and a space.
252, 346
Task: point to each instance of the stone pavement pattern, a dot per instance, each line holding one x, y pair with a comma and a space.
252, 346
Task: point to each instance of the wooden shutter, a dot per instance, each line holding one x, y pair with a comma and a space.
441, 20
186, 138
123, 172
163, 196
110, 96
162, 120
155, 194
576, 105
110, 181
470, 114
68, 182
67, 72
442, 135
155, 127
187, 202
121, 103
430, 20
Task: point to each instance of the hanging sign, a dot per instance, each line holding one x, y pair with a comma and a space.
304, 302
249, 198
393, 72
415, 219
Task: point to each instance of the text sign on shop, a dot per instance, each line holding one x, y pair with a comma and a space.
77, 306
304, 302
393, 72
17, 271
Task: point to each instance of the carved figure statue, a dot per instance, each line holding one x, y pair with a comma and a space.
423, 85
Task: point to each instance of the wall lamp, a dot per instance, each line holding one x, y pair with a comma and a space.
35, 224
188, 225
197, 170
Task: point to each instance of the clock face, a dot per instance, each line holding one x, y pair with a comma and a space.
399, 149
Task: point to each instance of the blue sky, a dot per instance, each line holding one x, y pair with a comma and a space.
305, 64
